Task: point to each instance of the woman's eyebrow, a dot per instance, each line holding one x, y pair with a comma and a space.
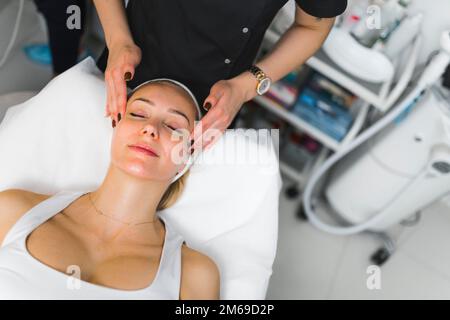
150, 102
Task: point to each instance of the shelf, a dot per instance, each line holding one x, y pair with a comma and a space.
366, 90
292, 173
297, 122
380, 95
377, 94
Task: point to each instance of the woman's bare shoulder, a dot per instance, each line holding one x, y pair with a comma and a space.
14, 203
200, 278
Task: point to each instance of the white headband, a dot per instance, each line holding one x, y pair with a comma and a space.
191, 158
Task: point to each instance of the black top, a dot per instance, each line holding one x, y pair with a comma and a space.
199, 42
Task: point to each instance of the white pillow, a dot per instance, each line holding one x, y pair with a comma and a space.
11, 99
60, 140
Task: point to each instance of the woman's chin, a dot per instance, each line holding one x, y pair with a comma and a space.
141, 171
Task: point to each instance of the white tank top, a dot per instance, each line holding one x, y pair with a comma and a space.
24, 277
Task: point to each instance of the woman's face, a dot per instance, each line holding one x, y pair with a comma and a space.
151, 140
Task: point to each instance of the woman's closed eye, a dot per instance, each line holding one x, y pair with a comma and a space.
137, 115
171, 127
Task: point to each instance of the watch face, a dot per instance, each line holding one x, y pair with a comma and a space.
264, 86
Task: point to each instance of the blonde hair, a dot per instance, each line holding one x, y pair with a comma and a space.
173, 192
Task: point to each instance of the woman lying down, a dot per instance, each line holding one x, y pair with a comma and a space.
111, 243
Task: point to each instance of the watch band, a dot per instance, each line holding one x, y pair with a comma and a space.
257, 72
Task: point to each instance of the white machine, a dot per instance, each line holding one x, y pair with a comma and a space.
401, 170
397, 172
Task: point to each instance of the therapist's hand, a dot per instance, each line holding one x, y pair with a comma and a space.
223, 103
122, 61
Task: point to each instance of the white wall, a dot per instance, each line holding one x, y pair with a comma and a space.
436, 19
31, 23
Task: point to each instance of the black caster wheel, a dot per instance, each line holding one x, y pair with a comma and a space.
380, 256
292, 192
301, 213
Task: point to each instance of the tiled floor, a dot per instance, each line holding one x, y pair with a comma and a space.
311, 264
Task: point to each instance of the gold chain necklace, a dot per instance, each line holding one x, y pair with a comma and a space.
127, 223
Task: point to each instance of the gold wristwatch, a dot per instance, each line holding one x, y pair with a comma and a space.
264, 81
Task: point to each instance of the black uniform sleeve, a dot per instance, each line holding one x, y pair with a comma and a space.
323, 8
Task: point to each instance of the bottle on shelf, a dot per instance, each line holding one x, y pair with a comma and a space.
389, 15
355, 13
298, 149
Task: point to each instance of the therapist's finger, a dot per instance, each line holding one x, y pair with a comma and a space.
212, 99
108, 99
121, 94
212, 135
109, 94
209, 137
209, 103
195, 135
128, 76
214, 114
128, 72
110, 84
117, 83
202, 127
213, 129
211, 116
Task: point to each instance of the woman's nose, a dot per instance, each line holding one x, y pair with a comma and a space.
150, 129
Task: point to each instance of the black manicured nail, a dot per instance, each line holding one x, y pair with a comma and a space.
207, 106
192, 151
114, 123
119, 116
192, 142
127, 76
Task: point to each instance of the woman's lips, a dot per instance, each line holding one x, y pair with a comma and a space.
143, 149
